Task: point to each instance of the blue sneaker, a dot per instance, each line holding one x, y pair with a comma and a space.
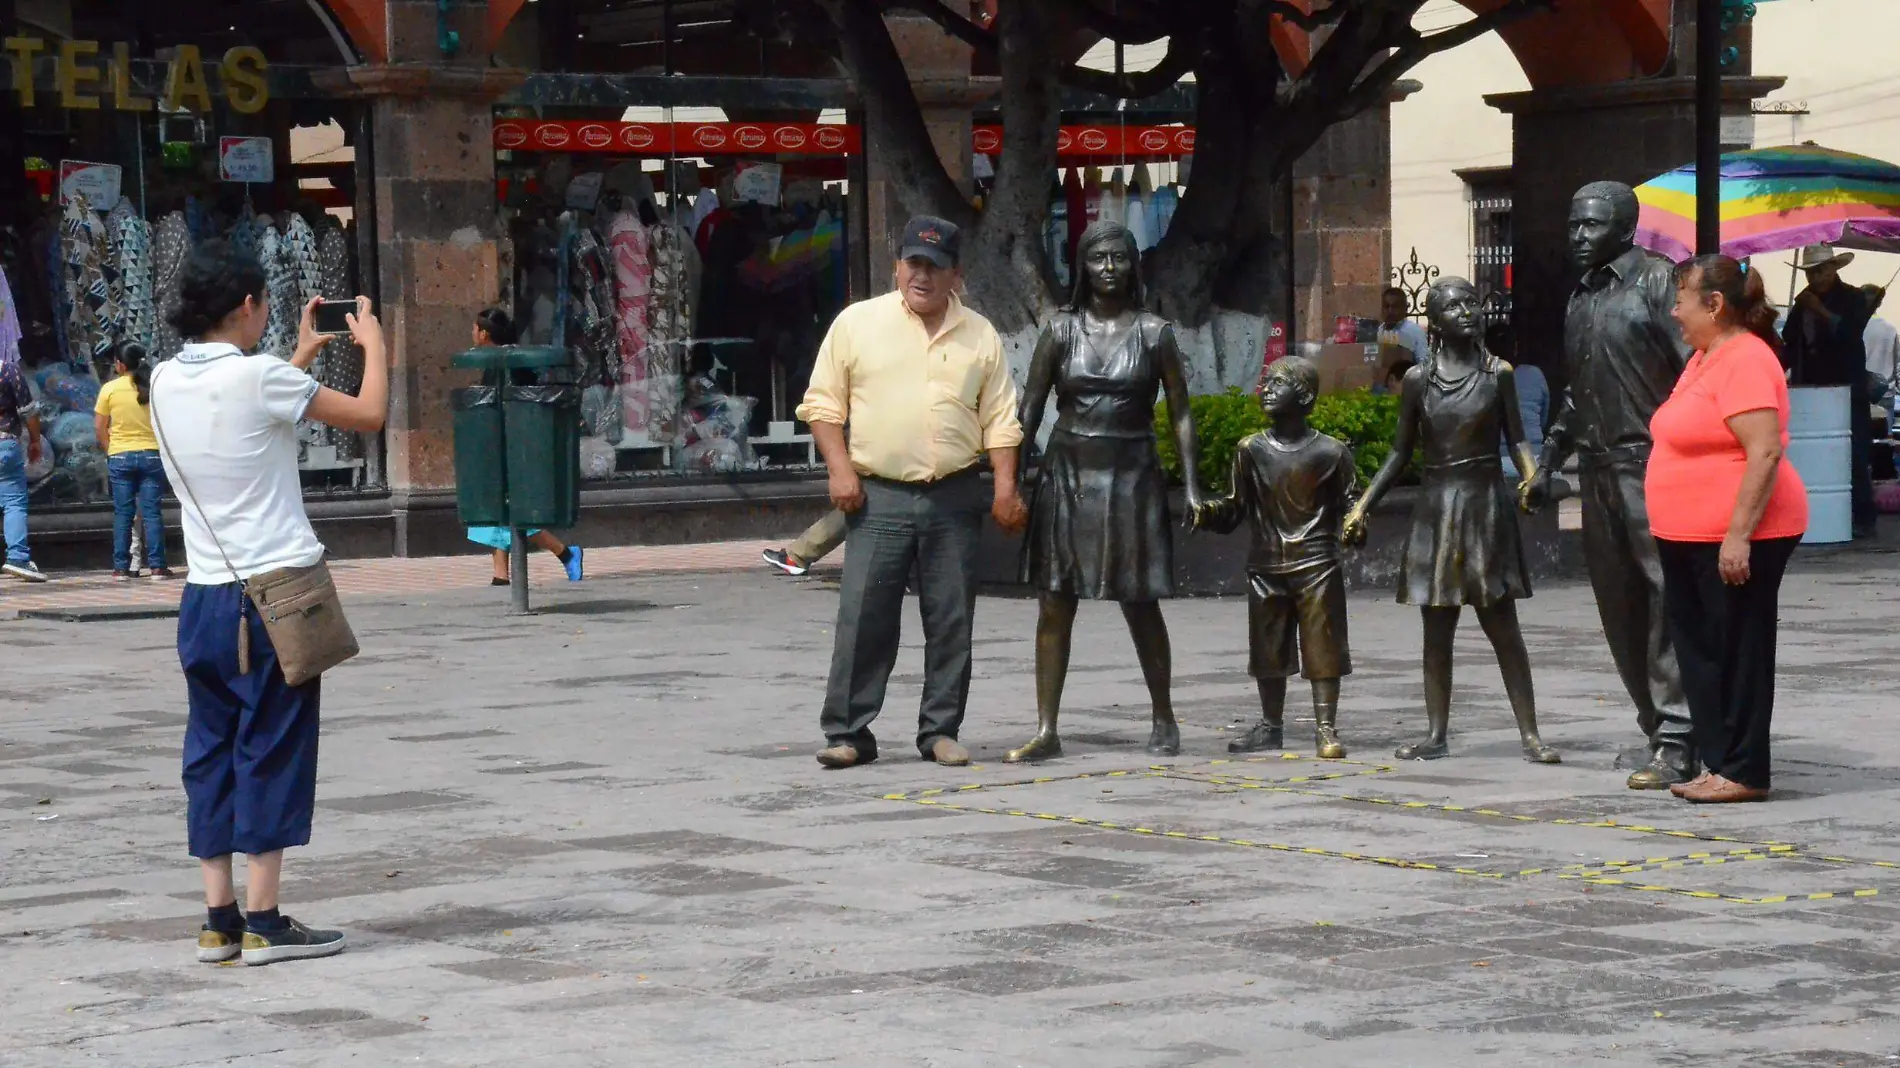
573, 563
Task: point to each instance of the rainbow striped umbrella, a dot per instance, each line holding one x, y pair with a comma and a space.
1774, 199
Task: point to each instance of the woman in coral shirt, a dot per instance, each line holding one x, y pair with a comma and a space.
1727, 513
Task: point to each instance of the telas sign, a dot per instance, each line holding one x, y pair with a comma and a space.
85, 79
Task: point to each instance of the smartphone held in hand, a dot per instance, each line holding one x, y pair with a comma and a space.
331, 316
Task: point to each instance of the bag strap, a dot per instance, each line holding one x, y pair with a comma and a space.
158, 433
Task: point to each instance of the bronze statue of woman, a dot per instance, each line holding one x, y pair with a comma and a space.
1098, 525
1464, 548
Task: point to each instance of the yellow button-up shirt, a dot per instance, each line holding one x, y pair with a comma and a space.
919, 407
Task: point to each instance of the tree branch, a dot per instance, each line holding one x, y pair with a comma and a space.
1151, 24
1371, 89
949, 21
1137, 84
1309, 21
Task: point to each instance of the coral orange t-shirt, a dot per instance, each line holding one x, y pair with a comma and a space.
1695, 469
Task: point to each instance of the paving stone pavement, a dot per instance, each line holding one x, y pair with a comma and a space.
597, 837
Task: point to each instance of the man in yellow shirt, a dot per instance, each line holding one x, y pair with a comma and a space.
922, 381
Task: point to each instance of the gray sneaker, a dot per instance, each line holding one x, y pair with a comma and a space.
293, 942
25, 569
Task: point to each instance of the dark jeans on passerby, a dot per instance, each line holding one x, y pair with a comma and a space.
1725, 643
138, 486
934, 527
1859, 400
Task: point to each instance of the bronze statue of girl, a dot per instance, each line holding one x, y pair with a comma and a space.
1099, 524
1464, 548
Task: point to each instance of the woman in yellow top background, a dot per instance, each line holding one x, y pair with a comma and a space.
123, 418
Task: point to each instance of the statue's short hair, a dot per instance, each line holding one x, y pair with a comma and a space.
1304, 375
1620, 197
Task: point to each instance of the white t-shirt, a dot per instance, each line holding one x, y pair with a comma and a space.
1883, 349
227, 430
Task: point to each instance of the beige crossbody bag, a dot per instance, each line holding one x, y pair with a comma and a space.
301, 610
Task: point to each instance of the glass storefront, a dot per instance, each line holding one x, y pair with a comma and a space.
691, 265
131, 160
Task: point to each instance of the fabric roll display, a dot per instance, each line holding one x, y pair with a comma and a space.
170, 246
633, 290
83, 247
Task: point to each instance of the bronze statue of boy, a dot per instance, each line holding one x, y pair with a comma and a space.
1295, 485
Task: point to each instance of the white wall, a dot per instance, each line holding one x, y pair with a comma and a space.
1839, 57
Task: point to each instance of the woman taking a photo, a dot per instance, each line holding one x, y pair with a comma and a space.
1726, 513
226, 427
123, 420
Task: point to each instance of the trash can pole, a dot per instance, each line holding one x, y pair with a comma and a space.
518, 573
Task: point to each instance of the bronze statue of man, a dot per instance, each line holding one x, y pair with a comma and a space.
1623, 354
1098, 525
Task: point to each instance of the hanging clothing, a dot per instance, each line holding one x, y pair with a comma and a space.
676, 269
633, 295
9, 326
84, 249
138, 313
170, 246
590, 321
1165, 201
1078, 204
280, 281
340, 366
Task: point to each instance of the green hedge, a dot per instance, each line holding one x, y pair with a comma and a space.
1364, 420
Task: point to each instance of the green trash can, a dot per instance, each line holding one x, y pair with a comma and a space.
544, 454
481, 486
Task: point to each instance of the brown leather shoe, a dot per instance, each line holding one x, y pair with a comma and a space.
843, 756
1682, 789
1720, 791
947, 752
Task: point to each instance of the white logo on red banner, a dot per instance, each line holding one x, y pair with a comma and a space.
1184, 140
829, 137
636, 136
594, 135
551, 135
749, 137
709, 137
1154, 140
1063, 140
988, 140
789, 137
510, 135
1093, 140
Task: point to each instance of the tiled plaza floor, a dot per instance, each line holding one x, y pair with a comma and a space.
596, 836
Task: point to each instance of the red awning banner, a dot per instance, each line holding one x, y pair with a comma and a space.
1101, 141
679, 138
808, 139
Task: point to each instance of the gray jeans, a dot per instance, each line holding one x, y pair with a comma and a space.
935, 528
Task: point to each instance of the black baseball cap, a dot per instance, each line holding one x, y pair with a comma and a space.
928, 237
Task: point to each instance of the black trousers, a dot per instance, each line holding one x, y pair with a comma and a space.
1725, 644
1628, 581
935, 528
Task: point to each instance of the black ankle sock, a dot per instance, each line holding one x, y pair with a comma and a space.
566, 555
224, 918
266, 920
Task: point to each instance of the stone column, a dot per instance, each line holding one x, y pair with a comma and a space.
1563, 139
1342, 223
437, 253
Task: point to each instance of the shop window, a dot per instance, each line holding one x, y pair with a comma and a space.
131, 157
691, 265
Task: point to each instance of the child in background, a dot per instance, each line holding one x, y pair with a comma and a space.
123, 420
494, 328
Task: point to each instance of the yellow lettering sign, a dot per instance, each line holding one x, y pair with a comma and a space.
121, 79
186, 79
71, 73
242, 76
242, 73
23, 50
